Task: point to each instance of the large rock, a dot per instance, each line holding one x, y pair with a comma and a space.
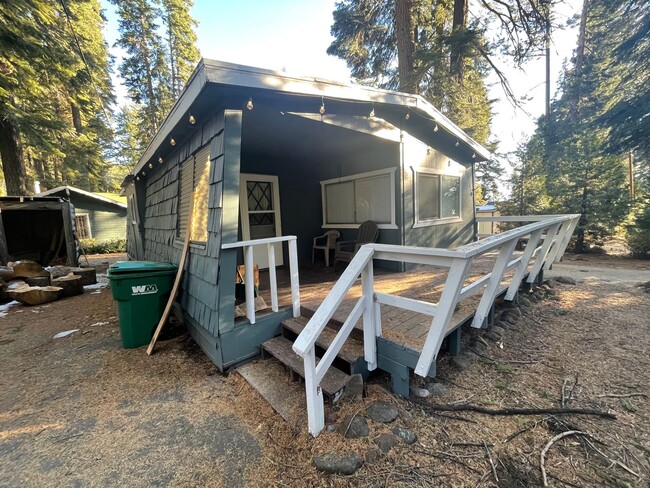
386, 442
353, 391
462, 361
28, 269
382, 412
36, 295
407, 435
336, 463
565, 280
438, 389
71, 285
354, 426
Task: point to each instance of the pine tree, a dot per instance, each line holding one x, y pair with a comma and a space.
181, 42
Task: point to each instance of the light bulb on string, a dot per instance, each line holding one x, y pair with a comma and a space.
457, 143
192, 119
144, 174
372, 112
137, 178
150, 165
435, 128
473, 155
172, 141
249, 104
160, 159
322, 106
407, 116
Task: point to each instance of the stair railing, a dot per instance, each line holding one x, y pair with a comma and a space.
458, 262
249, 265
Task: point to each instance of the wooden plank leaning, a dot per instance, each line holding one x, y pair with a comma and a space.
177, 281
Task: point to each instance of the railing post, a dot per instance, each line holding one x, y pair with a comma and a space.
492, 288
559, 239
567, 238
249, 283
315, 407
273, 282
369, 331
451, 291
533, 240
539, 261
295, 283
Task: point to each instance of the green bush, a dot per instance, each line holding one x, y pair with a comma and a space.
93, 246
637, 234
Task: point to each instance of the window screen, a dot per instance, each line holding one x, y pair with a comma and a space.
450, 190
436, 197
82, 225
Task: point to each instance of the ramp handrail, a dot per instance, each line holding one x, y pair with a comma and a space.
249, 264
558, 232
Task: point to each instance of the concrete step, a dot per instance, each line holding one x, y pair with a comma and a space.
280, 347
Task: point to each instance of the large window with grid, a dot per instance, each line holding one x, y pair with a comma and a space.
193, 191
82, 225
437, 198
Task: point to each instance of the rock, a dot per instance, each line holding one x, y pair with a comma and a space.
6, 273
462, 361
405, 415
524, 301
335, 463
407, 435
478, 345
645, 285
539, 294
550, 283
382, 412
330, 428
88, 276
386, 442
565, 280
28, 269
36, 295
511, 320
353, 391
437, 389
515, 312
330, 417
545, 287
419, 392
497, 330
373, 455
71, 285
492, 336
38, 281
354, 426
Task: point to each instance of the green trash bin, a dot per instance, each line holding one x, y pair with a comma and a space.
141, 289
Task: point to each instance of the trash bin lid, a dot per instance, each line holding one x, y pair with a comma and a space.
124, 267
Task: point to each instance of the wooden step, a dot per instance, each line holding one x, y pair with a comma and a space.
351, 351
280, 347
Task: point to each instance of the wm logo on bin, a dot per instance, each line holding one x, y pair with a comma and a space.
144, 289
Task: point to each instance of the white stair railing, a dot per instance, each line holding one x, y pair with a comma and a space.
555, 230
249, 265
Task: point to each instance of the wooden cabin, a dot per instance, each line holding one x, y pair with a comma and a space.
268, 161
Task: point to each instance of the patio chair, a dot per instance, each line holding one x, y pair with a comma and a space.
345, 250
327, 243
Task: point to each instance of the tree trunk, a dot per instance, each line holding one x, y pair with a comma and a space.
404, 34
76, 118
13, 163
459, 23
574, 110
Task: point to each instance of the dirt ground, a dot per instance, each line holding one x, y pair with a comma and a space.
81, 411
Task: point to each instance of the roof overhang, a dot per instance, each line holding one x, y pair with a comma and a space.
71, 189
235, 84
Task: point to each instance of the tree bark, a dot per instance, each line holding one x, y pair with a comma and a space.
13, 162
76, 118
574, 110
404, 34
459, 23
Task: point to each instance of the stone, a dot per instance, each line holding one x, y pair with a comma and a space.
407, 435
437, 389
38, 281
353, 391
419, 392
492, 336
336, 463
71, 285
545, 287
382, 412
511, 320
550, 283
462, 361
36, 295
497, 330
330, 428
386, 442
373, 455
330, 417
354, 426
565, 280
478, 345
515, 312
405, 415
28, 269
524, 301
539, 294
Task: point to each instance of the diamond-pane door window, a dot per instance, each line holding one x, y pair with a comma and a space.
259, 195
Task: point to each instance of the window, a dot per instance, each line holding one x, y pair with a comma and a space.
351, 200
437, 198
194, 183
82, 225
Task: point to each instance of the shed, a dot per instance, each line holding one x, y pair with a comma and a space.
265, 155
100, 217
487, 228
38, 228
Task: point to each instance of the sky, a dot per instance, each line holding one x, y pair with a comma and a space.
293, 35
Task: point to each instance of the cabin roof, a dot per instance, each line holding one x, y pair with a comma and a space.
66, 190
217, 84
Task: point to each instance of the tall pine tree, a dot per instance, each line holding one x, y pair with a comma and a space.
181, 42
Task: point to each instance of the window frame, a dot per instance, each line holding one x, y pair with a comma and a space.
180, 239
90, 230
417, 222
360, 176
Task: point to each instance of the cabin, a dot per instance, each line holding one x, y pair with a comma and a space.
97, 216
253, 164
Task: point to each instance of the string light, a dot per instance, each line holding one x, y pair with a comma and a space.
150, 165
473, 155
407, 116
137, 178
249, 104
144, 174
372, 112
457, 143
435, 129
322, 106
172, 141
160, 159
192, 119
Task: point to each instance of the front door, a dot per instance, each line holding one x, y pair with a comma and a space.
259, 203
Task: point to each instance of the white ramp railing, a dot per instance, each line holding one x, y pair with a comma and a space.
249, 264
555, 232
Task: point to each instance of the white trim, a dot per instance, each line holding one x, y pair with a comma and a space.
417, 223
81, 192
90, 230
359, 176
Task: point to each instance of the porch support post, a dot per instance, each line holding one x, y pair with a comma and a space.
273, 281
533, 240
541, 257
295, 282
454, 342
369, 330
446, 305
492, 288
249, 284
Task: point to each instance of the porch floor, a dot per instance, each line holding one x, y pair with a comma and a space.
398, 325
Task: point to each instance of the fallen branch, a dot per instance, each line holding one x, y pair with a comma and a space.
548, 446
432, 407
526, 428
489, 456
624, 395
613, 461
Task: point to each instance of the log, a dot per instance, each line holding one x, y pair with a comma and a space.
71, 285
58, 271
38, 281
88, 275
28, 269
6, 273
36, 295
